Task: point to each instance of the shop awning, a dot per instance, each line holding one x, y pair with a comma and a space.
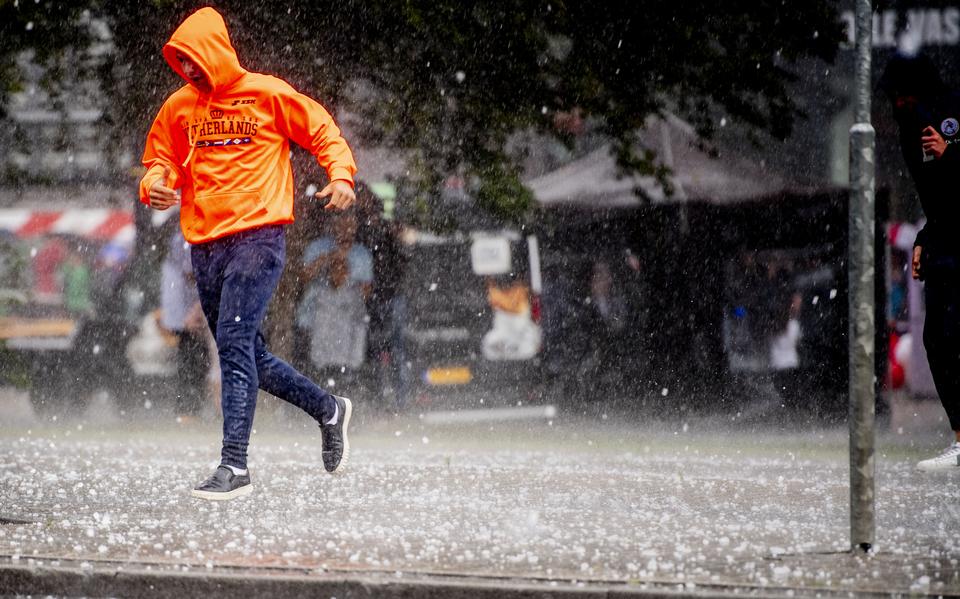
101, 224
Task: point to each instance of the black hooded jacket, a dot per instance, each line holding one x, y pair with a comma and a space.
937, 179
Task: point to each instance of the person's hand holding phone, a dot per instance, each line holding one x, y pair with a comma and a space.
933, 143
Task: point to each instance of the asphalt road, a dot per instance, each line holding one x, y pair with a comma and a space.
685, 503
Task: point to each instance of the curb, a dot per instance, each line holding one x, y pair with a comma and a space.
138, 582
135, 580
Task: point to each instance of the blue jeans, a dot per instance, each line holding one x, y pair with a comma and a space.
236, 277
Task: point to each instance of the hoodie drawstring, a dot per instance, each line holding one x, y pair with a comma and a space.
190, 140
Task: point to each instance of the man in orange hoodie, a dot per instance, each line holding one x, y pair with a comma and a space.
220, 146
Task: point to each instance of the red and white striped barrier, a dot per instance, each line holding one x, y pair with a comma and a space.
102, 224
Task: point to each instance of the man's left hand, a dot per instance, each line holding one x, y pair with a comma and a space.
933, 143
340, 193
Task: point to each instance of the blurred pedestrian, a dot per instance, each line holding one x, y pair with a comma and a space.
223, 141
75, 272
928, 115
337, 274
47, 271
784, 338
179, 304
386, 304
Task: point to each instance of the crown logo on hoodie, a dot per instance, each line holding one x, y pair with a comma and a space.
216, 113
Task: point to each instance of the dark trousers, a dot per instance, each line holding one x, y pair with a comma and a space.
236, 277
941, 331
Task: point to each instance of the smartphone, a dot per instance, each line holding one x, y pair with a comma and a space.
927, 157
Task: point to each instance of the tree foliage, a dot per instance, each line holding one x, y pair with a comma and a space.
50, 30
449, 81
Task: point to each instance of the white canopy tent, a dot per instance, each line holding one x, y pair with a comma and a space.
595, 180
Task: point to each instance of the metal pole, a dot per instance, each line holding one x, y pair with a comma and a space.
861, 295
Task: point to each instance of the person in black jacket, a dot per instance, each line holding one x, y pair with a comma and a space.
928, 115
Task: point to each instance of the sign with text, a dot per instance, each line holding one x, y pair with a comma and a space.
914, 28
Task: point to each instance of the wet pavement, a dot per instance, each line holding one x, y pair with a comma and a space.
685, 505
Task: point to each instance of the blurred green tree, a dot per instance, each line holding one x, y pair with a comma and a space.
47, 33
450, 80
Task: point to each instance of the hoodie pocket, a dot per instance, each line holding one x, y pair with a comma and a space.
227, 206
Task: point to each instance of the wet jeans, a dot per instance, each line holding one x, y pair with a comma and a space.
941, 330
236, 277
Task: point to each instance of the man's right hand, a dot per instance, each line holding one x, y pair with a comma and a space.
915, 271
933, 143
161, 196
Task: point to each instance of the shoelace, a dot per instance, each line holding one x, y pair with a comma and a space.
951, 451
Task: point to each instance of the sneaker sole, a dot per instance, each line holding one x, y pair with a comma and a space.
348, 410
214, 496
937, 467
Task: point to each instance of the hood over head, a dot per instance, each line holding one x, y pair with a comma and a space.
911, 76
204, 39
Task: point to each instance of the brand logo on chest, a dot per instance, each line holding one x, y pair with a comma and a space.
950, 127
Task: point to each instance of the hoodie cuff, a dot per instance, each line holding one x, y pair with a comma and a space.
921, 240
341, 174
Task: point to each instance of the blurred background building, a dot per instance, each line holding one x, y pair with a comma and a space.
636, 281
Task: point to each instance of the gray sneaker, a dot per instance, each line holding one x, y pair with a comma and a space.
336, 445
948, 460
223, 484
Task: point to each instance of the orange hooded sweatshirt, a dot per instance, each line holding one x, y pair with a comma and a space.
228, 151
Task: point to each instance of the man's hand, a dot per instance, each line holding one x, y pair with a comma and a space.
161, 196
933, 143
340, 193
915, 270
